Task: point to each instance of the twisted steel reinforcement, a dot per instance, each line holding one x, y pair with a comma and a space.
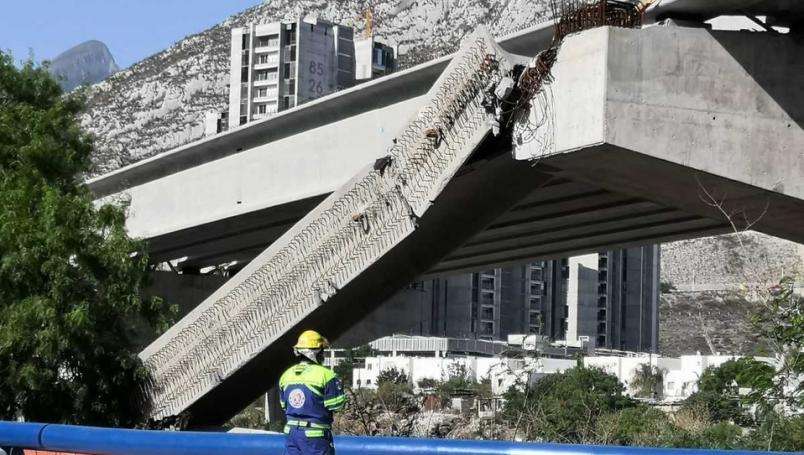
328, 248
571, 16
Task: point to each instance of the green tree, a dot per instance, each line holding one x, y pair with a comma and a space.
565, 407
777, 432
392, 375
780, 322
719, 389
647, 381
70, 277
639, 425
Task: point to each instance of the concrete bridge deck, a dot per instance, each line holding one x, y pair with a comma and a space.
643, 125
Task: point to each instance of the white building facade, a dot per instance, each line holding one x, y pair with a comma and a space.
679, 374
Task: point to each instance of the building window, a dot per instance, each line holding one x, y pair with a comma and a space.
266, 58
243, 119
265, 75
536, 289
290, 35
261, 109
486, 328
487, 298
262, 92
535, 303
487, 313
268, 41
487, 283
246, 37
244, 74
290, 53
379, 57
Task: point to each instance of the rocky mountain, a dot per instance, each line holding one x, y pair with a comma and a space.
710, 304
160, 102
87, 63
730, 262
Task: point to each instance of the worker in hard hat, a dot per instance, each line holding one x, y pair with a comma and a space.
309, 393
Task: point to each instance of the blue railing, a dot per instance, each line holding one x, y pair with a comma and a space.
112, 441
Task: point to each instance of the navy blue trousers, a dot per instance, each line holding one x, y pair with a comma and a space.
299, 443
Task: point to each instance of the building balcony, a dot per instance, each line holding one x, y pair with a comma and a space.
268, 65
266, 82
270, 97
262, 116
264, 48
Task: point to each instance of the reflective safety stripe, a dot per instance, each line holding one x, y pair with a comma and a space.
312, 375
314, 433
287, 429
302, 423
334, 403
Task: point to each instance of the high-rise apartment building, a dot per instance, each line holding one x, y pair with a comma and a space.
606, 300
281, 65
277, 66
373, 59
628, 299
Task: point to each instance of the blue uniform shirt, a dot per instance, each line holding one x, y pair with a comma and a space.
311, 393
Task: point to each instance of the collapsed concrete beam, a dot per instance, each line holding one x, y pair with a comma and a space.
314, 265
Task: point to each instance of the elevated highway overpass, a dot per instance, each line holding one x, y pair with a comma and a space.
649, 135
226, 198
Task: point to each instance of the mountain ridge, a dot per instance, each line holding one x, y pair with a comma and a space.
86, 63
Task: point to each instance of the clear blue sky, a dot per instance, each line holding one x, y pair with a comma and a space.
132, 29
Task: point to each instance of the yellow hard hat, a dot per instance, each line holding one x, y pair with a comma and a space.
310, 339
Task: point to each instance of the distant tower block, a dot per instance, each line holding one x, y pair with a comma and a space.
278, 66
373, 59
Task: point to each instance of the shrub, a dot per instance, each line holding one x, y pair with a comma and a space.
564, 407
640, 425
392, 375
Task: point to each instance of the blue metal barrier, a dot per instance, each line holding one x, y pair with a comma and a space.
113, 441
